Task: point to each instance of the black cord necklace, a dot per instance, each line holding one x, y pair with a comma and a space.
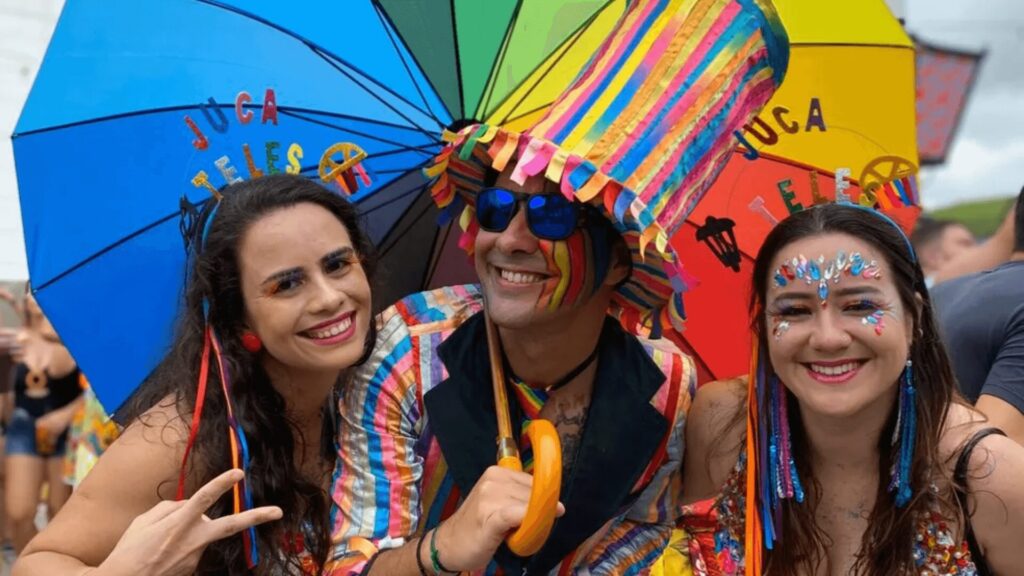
564, 380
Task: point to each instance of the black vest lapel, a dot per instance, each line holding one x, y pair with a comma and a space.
461, 413
461, 408
622, 433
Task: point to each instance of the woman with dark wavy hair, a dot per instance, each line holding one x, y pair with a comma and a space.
277, 309
850, 451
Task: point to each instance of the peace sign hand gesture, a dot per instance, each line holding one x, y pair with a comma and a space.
170, 537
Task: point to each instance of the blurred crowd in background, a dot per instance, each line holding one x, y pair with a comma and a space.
54, 428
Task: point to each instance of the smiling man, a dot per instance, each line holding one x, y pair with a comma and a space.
568, 223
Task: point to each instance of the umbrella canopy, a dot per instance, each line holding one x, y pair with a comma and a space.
844, 116
138, 105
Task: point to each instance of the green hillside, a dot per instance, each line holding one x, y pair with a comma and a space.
982, 217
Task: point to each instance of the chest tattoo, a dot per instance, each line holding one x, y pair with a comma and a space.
570, 418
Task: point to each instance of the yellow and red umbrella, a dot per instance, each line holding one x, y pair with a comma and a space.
843, 119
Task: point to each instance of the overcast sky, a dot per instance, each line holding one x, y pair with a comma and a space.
986, 161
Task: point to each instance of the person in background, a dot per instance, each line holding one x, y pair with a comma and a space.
8, 349
937, 242
982, 321
46, 394
92, 432
988, 254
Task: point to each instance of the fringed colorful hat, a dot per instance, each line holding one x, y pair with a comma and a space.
641, 134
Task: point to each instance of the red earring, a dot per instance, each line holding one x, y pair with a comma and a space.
251, 342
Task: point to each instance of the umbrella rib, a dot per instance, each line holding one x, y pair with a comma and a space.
436, 257
108, 248
348, 117
359, 133
527, 113
847, 45
415, 190
376, 96
568, 43
696, 358
499, 59
458, 62
328, 57
288, 110
388, 27
392, 171
388, 242
149, 227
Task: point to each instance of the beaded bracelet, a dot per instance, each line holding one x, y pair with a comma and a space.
419, 556
435, 558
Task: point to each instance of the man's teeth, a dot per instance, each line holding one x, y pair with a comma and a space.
834, 370
333, 330
520, 277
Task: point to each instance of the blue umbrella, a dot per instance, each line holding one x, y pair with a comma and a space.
135, 100
141, 104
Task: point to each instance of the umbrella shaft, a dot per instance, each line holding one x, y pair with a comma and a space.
498, 381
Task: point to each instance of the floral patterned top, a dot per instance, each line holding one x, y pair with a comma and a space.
713, 536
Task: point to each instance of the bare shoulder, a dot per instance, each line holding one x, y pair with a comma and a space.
715, 429
161, 425
996, 495
717, 409
962, 423
149, 449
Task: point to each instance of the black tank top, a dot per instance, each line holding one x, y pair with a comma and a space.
37, 401
960, 476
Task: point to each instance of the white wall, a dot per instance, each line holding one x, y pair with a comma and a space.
25, 29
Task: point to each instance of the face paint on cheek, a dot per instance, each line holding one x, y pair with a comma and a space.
551, 257
567, 264
877, 318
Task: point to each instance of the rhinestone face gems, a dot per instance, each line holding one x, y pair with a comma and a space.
825, 271
780, 329
876, 319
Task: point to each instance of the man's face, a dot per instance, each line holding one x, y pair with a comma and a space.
529, 281
950, 243
955, 239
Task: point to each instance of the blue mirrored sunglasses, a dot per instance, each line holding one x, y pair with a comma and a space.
548, 216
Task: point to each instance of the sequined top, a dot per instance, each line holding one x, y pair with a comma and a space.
711, 533
294, 544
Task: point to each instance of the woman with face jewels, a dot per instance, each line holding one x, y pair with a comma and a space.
277, 309
47, 394
850, 451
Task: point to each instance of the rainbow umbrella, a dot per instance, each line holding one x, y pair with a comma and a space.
141, 110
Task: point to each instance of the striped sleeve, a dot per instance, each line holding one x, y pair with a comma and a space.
376, 479
660, 500
628, 548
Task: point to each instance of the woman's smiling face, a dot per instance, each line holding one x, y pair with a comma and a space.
838, 334
306, 294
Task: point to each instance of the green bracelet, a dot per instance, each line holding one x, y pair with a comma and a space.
435, 558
